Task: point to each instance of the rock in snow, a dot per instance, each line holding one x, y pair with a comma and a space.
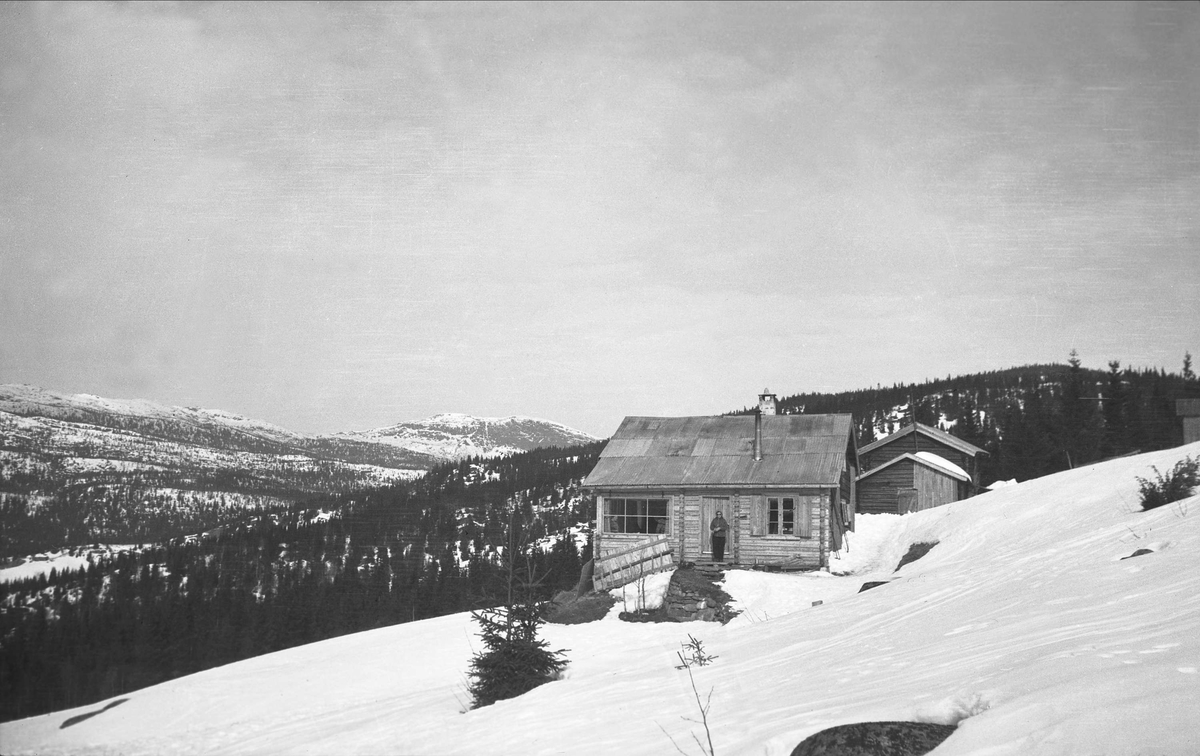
1023, 627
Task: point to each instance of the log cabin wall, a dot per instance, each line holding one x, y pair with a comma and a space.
685, 532
792, 550
690, 527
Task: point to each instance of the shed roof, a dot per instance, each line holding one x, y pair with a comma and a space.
718, 451
942, 436
932, 461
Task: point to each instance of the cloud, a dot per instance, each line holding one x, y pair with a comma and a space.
419, 202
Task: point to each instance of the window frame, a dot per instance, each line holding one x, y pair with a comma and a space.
781, 510
643, 516
803, 505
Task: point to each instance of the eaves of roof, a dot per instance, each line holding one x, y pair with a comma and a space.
941, 436
914, 458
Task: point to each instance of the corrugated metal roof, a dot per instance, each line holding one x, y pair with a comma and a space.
953, 442
675, 452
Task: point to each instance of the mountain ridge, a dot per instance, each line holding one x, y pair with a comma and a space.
456, 435
80, 468
245, 433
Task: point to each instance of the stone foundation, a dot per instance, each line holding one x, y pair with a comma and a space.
693, 595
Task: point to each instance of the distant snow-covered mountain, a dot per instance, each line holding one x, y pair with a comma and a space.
104, 469
455, 436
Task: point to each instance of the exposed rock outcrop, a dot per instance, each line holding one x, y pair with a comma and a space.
875, 739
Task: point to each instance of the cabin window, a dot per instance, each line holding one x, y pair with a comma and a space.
781, 515
788, 516
636, 516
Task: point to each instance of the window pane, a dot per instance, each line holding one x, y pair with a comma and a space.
658, 507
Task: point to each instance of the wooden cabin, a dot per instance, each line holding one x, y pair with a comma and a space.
915, 468
785, 483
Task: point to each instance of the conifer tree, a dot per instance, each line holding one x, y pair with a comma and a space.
1079, 432
514, 660
1116, 424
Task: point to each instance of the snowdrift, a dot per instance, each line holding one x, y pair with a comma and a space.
1025, 623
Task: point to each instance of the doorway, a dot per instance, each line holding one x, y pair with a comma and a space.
709, 506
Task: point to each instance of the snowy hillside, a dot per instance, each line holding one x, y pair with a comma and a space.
1025, 622
455, 436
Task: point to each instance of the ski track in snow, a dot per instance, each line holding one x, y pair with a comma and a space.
1023, 619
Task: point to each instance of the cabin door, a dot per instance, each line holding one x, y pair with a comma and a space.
709, 506
906, 500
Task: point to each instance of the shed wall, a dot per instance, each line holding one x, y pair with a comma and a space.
906, 445
933, 488
877, 494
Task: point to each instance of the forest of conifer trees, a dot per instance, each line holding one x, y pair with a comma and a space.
266, 583
1032, 420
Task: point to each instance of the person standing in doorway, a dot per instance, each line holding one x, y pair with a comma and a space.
718, 528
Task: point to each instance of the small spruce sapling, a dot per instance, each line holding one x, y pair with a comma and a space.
696, 656
514, 660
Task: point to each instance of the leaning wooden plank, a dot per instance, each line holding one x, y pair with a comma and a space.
640, 545
630, 572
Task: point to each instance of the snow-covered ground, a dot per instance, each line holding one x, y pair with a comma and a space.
61, 560
1023, 622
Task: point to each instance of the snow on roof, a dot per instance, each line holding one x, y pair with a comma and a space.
927, 459
943, 463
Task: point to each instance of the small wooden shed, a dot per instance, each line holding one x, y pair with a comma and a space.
917, 467
785, 484
909, 483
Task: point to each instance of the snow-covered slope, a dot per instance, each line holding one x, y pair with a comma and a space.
1024, 622
455, 436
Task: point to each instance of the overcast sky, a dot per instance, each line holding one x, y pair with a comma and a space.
342, 216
